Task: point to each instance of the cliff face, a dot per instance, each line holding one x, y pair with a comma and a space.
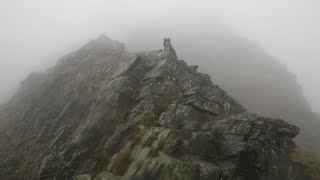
102, 112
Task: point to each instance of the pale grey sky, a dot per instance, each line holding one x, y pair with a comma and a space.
35, 32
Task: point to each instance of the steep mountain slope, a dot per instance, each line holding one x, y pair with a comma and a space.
105, 113
245, 71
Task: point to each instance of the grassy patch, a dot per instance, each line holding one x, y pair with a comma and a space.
306, 159
121, 162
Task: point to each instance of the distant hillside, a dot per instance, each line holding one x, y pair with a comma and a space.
250, 75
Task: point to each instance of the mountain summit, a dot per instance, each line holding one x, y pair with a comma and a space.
104, 113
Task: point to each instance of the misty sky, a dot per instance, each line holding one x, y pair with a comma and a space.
35, 32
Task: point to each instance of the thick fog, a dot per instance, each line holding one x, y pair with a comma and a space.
35, 33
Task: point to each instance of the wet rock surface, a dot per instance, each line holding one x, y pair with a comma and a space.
104, 113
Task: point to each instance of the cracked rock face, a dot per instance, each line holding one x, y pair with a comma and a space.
104, 113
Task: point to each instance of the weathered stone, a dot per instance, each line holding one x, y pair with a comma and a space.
108, 176
83, 177
48, 167
139, 116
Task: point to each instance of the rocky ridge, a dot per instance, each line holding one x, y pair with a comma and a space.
258, 80
104, 113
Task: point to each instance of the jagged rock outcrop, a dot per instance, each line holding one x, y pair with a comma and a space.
104, 113
251, 74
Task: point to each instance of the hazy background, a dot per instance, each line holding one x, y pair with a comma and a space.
34, 33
